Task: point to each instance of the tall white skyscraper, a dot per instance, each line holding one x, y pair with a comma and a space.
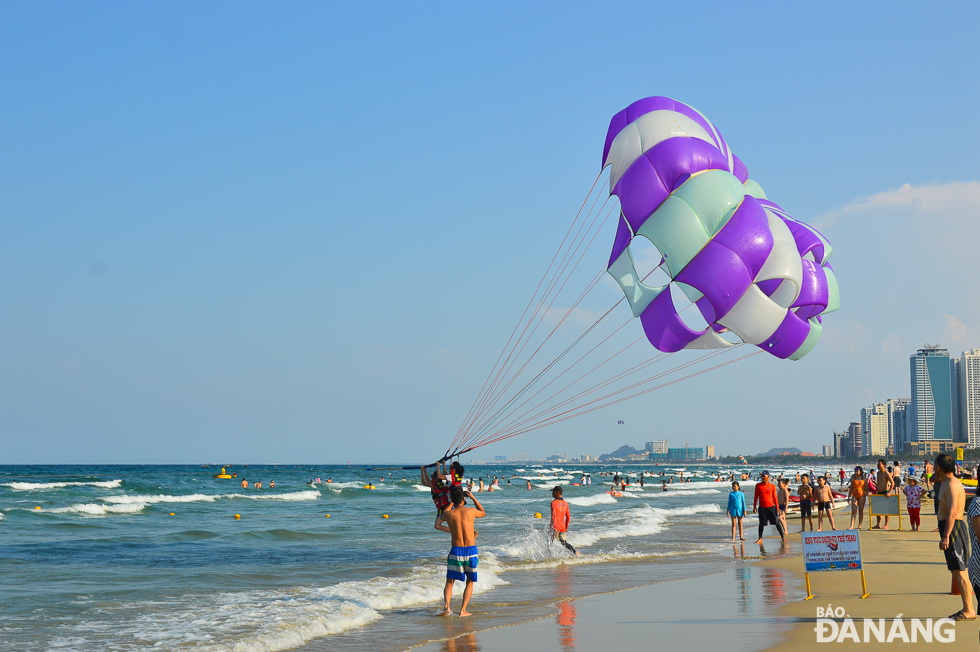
874, 427
966, 385
932, 409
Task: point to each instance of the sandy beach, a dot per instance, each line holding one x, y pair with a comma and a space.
758, 604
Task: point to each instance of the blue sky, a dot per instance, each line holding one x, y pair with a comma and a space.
302, 232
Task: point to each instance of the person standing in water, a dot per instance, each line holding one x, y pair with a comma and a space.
782, 500
736, 510
463, 557
560, 518
764, 503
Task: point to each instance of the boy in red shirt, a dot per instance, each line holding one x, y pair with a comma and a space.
560, 519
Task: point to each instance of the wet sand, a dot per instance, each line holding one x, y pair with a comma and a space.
739, 608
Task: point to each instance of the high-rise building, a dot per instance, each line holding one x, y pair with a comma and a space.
709, 452
874, 429
842, 444
898, 423
827, 451
658, 447
966, 384
932, 407
855, 438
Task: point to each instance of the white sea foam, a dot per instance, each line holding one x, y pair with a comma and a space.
693, 486
238, 622
134, 504
641, 521
697, 492
99, 509
34, 486
619, 525
563, 558
588, 501
338, 486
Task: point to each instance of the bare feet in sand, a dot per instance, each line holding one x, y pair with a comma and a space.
464, 614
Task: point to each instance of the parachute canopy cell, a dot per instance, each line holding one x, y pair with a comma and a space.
750, 268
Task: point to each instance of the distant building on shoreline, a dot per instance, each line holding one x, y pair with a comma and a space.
944, 407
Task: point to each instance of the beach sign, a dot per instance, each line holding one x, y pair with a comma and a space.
879, 505
833, 550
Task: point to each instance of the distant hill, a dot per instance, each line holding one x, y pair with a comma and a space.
772, 452
619, 453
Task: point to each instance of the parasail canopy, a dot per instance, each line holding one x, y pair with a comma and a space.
730, 268
751, 269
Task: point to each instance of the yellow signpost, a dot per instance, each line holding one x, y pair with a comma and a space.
836, 550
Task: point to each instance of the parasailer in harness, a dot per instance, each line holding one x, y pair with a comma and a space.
456, 473
438, 486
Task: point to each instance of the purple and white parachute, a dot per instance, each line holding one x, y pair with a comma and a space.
750, 268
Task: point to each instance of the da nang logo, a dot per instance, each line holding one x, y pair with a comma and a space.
835, 626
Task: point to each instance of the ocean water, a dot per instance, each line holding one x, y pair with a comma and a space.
138, 557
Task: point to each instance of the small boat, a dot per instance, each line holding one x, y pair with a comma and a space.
224, 475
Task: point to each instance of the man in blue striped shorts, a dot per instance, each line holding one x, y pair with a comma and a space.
463, 557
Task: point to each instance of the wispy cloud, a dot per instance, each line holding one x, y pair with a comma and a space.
956, 332
942, 202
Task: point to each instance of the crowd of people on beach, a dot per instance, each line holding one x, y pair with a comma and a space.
957, 513
772, 500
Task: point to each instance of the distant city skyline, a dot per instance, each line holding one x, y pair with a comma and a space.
943, 409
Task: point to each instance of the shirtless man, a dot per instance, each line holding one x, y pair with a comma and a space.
825, 503
897, 476
952, 529
806, 502
883, 487
463, 556
782, 500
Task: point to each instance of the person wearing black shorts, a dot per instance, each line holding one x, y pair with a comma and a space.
805, 493
953, 533
764, 502
825, 503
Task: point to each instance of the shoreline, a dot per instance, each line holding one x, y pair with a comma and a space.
703, 610
756, 604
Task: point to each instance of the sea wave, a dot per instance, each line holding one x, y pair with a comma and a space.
133, 504
588, 501
644, 520
285, 619
98, 509
36, 486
